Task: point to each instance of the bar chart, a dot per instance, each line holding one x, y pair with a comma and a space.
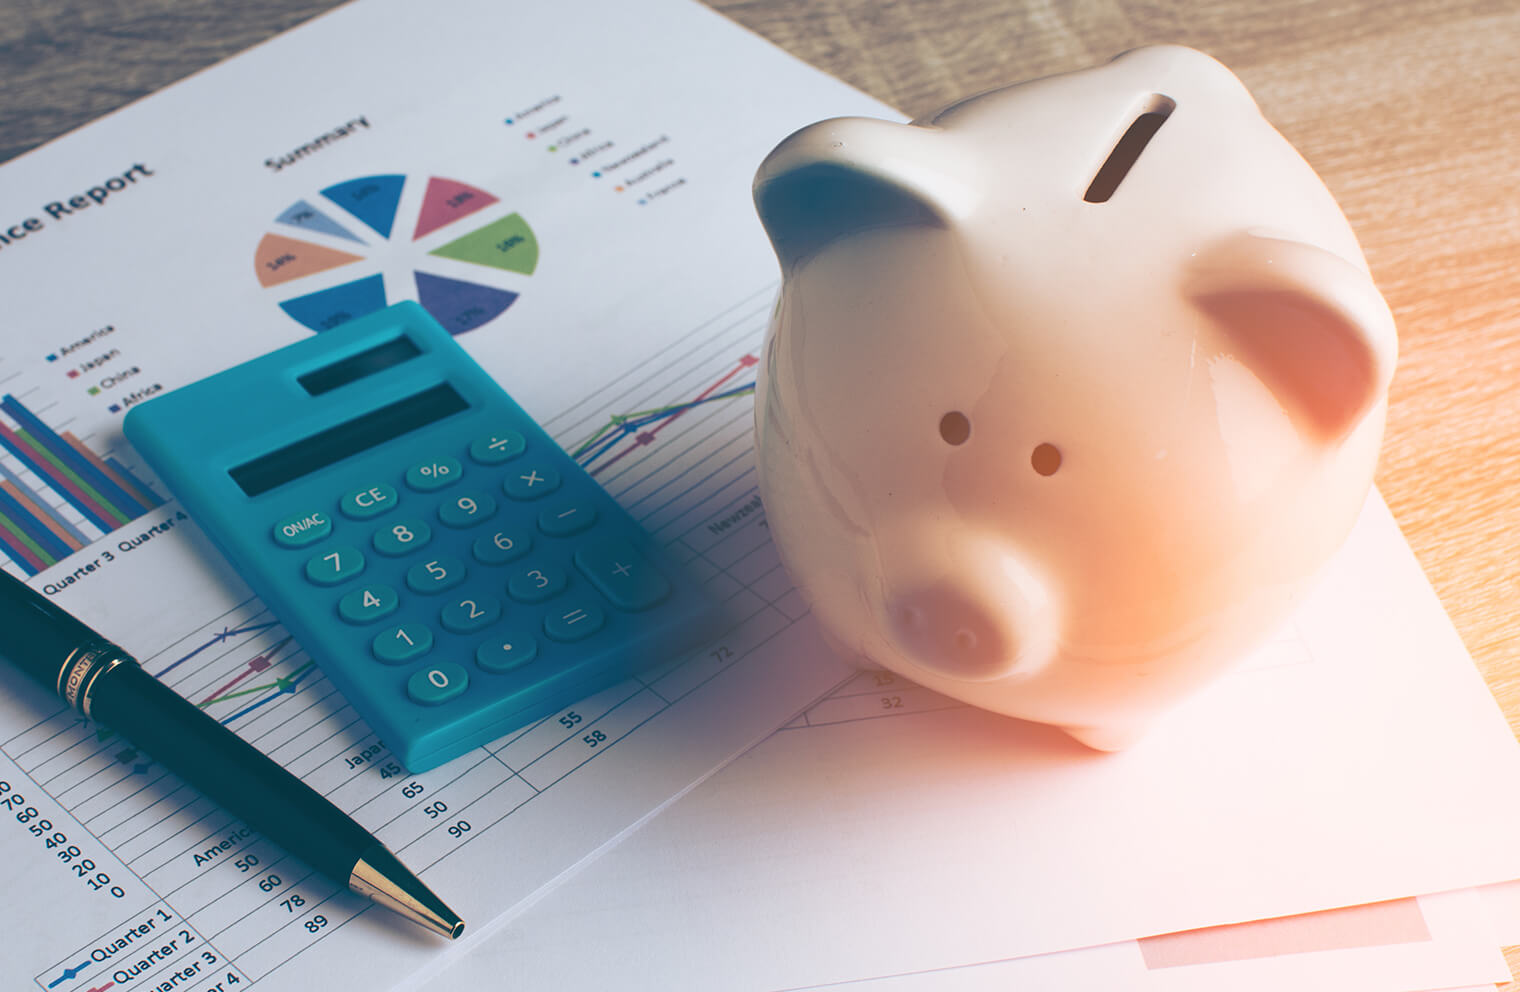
56, 495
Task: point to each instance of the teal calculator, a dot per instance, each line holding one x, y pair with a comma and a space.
450, 568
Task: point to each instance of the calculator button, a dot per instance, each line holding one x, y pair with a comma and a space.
502, 547
436, 575
361, 504
402, 537
493, 449
466, 510
530, 481
367, 604
335, 566
574, 622
402, 643
510, 648
435, 473
438, 684
470, 612
621, 574
564, 519
536, 584
301, 529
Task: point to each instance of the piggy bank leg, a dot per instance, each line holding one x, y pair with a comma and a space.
1110, 738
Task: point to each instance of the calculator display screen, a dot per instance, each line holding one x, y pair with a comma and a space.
355, 367
334, 444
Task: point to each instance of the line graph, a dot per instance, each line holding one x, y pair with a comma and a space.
624, 425
221, 636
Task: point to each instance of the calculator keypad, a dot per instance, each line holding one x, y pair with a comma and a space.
479, 558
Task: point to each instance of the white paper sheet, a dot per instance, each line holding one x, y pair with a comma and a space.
1390, 947
203, 226
1356, 758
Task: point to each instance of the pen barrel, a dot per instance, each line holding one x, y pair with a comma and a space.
229, 770
41, 639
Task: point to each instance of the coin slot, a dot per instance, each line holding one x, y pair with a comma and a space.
1129, 148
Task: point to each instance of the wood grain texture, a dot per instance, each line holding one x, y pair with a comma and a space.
1409, 110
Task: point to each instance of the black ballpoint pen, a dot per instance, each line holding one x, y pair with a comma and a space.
107, 685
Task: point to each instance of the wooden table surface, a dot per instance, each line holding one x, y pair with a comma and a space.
1407, 109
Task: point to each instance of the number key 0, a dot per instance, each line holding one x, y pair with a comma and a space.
438, 684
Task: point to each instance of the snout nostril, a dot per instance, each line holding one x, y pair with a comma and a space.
951, 631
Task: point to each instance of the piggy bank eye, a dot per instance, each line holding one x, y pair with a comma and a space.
1046, 459
954, 427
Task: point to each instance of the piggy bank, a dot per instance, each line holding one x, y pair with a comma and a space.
1069, 390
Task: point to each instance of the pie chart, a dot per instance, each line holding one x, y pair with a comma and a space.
350, 230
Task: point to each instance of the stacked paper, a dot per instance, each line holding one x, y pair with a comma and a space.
1322, 818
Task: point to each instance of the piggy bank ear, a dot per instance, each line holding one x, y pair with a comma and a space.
850, 175
1310, 324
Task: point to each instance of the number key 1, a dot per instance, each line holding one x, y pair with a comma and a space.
402, 643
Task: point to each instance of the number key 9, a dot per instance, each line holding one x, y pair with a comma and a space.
462, 511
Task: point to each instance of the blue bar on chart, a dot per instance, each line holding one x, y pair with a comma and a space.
105, 493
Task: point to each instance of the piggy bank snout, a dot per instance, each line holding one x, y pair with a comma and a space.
987, 624
941, 628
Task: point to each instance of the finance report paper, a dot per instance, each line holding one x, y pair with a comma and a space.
566, 187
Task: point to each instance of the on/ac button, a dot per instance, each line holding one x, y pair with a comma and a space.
301, 529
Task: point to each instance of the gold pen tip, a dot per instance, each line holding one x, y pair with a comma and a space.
380, 876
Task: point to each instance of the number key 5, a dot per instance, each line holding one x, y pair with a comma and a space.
435, 575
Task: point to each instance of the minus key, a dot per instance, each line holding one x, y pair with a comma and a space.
564, 519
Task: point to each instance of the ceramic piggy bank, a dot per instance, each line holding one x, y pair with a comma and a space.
1069, 390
